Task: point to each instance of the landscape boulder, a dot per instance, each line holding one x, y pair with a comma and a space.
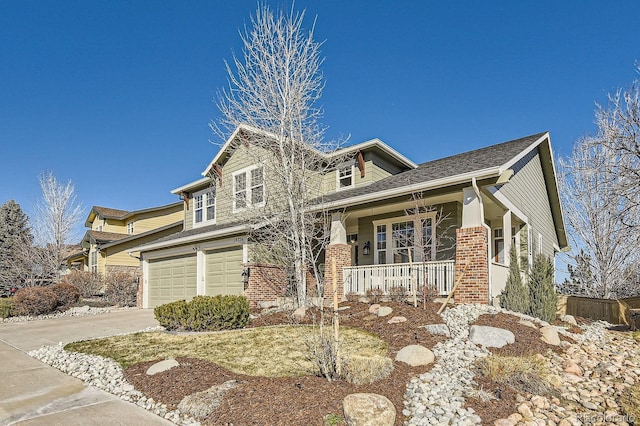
161, 366
373, 309
550, 335
415, 355
490, 337
384, 311
396, 320
527, 323
201, 404
572, 368
438, 329
368, 409
299, 313
569, 319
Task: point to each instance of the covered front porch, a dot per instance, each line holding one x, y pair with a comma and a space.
425, 243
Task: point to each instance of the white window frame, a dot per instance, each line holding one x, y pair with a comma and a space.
496, 239
417, 227
93, 262
249, 188
130, 227
203, 206
352, 175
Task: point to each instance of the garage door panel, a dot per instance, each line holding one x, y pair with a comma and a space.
172, 279
224, 271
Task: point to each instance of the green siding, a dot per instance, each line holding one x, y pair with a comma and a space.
527, 191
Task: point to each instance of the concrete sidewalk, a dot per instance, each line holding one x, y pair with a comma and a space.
32, 393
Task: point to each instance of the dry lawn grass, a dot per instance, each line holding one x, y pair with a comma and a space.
527, 374
270, 352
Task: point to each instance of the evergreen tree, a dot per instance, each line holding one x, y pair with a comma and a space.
14, 234
543, 300
515, 295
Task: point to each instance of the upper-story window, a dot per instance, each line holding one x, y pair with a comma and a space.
130, 228
248, 188
344, 177
204, 207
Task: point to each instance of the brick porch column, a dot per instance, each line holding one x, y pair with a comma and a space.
471, 248
340, 254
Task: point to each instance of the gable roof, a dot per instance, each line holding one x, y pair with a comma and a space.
110, 213
480, 163
102, 237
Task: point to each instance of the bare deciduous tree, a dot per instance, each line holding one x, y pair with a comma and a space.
56, 215
273, 88
619, 131
598, 214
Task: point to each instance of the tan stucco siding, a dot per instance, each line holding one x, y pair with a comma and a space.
527, 191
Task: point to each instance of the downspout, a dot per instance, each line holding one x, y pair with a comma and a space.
488, 228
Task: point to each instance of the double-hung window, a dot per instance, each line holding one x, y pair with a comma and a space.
130, 228
395, 238
344, 177
204, 207
248, 188
93, 262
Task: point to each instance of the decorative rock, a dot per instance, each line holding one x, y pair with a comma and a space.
201, 404
396, 320
415, 355
383, 311
490, 337
505, 422
439, 329
368, 409
299, 313
527, 323
550, 335
572, 368
525, 410
373, 309
161, 366
569, 319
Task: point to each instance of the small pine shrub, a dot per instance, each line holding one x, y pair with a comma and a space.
374, 295
230, 312
205, 313
66, 294
515, 296
121, 288
89, 284
543, 300
34, 301
398, 293
364, 370
6, 307
172, 315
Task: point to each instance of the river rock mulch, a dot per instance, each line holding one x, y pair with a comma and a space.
443, 393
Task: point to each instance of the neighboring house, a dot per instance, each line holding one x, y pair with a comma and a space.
484, 201
113, 233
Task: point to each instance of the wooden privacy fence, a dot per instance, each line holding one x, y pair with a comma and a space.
615, 311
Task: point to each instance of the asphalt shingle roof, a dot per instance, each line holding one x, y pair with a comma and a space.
101, 236
109, 212
483, 158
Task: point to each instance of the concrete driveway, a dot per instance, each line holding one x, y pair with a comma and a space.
32, 393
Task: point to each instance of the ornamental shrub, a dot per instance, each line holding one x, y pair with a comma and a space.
121, 288
66, 294
543, 300
88, 283
515, 296
34, 301
205, 313
171, 315
6, 307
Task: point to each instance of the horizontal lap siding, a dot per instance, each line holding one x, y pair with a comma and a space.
527, 191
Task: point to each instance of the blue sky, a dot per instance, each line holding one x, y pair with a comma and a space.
117, 96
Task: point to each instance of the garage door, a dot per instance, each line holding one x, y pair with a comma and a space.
224, 271
171, 279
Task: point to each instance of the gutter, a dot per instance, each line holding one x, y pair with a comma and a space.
190, 238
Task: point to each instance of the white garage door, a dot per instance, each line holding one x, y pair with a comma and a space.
224, 271
171, 279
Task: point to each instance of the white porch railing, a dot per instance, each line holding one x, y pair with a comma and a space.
359, 279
